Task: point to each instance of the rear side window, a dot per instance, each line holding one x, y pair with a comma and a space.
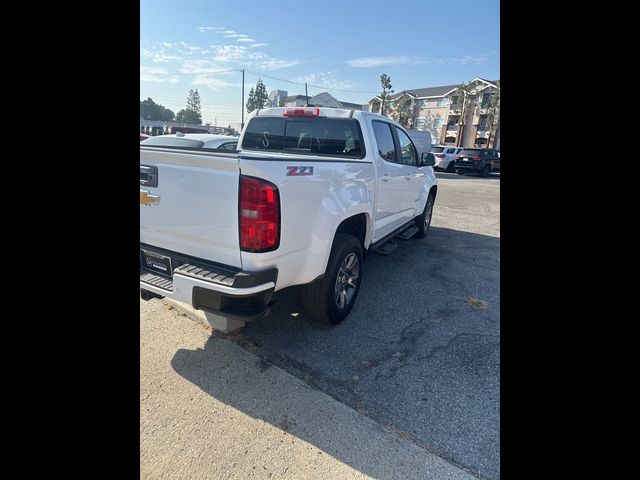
316, 136
407, 149
451, 150
437, 149
228, 146
470, 152
384, 140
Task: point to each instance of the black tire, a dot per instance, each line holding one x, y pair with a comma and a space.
321, 298
423, 222
451, 168
459, 171
486, 171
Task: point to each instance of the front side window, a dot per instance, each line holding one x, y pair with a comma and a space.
407, 149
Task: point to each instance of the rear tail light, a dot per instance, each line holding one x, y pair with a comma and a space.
259, 211
301, 112
475, 158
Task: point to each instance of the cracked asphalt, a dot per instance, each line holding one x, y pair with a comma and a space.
417, 353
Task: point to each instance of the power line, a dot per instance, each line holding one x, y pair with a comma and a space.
315, 86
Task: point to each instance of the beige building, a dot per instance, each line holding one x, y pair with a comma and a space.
437, 109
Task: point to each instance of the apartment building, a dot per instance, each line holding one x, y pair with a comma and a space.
438, 110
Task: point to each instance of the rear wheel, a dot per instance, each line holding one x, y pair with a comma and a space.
423, 222
331, 298
451, 167
459, 171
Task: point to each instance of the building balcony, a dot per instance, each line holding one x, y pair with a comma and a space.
452, 127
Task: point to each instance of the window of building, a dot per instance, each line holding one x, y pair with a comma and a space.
437, 123
449, 139
442, 102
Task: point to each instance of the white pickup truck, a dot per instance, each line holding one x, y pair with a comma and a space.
307, 194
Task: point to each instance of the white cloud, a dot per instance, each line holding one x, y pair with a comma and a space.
260, 44
367, 62
214, 83
246, 39
227, 53
236, 35
204, 29
191, 59
157, 74
325, 79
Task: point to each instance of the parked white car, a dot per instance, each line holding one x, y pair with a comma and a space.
209, 141
445, 157
309, 192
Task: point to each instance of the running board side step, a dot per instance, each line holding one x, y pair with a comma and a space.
386, 248
408, 233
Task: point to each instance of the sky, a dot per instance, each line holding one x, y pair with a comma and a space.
338, 46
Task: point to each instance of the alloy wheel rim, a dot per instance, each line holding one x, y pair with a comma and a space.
427, 217
346, 281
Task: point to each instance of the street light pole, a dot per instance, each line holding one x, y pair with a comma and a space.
242, 123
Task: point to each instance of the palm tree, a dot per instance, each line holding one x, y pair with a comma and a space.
493, 113
466, 102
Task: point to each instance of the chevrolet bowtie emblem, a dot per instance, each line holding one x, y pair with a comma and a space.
147, 199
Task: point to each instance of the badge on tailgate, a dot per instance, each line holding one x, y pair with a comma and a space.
147, 199
299, 171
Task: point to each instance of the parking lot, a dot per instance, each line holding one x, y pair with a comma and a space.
419, 354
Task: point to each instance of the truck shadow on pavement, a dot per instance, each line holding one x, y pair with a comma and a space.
419, 353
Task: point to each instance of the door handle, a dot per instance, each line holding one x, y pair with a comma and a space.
385, 178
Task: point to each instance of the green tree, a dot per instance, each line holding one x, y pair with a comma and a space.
261, 96
465, 103
493, 113
150, 110
402, 110
251, 101
385, 81
193, 105
258, 97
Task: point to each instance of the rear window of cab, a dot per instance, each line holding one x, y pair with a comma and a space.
335, 137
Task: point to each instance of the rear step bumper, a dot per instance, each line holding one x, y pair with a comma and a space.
222, 290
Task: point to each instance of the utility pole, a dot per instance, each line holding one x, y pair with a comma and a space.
306, 94
242, 122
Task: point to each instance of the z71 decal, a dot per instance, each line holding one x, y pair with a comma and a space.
299, 171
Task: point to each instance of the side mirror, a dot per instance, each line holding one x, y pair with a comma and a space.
427, 159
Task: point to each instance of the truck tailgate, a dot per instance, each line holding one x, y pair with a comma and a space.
194, 207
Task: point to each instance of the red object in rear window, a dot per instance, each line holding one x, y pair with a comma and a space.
301, 112
259, 211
